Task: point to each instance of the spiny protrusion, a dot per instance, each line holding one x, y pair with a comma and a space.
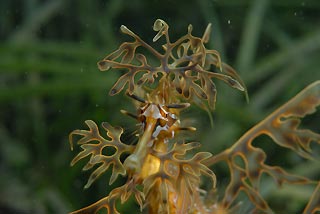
190, 128
137, 98
129, 114
178, 105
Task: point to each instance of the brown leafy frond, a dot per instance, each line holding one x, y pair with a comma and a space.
283, 127
109, 202
184, 61
314, 202
95, 150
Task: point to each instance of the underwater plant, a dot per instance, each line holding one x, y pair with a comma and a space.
162, 173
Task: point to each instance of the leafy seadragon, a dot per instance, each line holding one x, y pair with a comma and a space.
161, 174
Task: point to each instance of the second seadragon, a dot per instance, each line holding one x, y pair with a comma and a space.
161, 174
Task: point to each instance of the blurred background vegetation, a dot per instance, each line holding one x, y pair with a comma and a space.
50, 84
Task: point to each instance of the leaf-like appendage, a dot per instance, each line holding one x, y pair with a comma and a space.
185, 64
178, 179
109, 202
283, 127
95, 150
314, 202
162, 28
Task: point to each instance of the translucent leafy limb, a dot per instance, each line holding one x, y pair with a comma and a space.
109, 203
314, 202
178, 180
283, 127
185, 63
96, 150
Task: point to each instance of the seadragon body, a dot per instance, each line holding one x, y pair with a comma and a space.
161, 174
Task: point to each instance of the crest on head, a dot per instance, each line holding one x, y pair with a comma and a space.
185, 66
